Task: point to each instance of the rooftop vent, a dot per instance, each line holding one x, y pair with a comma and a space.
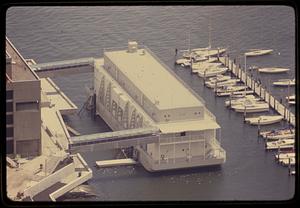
132, 46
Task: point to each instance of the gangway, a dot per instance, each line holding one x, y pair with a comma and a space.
66, 67
113, 140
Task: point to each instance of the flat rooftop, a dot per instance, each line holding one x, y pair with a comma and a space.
153, 79
20, 69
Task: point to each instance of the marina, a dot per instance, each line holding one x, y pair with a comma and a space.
90, 133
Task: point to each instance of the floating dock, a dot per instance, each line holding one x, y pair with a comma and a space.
258, 89
118, 162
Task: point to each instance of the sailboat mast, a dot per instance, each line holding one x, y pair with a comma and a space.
209, 35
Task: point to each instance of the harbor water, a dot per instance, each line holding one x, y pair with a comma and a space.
250, 173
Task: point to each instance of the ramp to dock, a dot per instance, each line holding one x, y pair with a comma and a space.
113, 140
66, 67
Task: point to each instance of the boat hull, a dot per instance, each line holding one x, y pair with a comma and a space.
241, 109
271, 120
273, 70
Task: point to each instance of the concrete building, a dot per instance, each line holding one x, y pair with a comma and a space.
134, 89
23, 110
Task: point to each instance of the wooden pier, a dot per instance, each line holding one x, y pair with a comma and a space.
259, 90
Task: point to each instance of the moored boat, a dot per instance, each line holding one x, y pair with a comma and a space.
285, 82
236, 94
230, 89
264, 120
250, 106
212, 72
278, 134
273, 70
280, 144
258, 52
230, 82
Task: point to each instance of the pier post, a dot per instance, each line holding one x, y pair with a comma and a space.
289, 166
244, 113
260, 91
218, 54
284, 113
258, 128
231, 66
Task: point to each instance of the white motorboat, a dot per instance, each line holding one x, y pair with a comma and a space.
212, 72
285, 82
258, 52
280, 144
264, 120
278, 134
273, 70
250, 106
213, 84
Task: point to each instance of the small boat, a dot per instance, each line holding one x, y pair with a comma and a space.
213, 84
285, 155
181, 61
212, 72
285, 82
250, 106
292, 102
278, 134
204, 65
273, 70
219, 78
231, 88
287, 161
237, 94
208, 52
264, 120
280, 144
258, 52
238, 101
292, 97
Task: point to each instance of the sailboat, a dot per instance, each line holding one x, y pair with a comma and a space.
204, 52
258, 52
264, 119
